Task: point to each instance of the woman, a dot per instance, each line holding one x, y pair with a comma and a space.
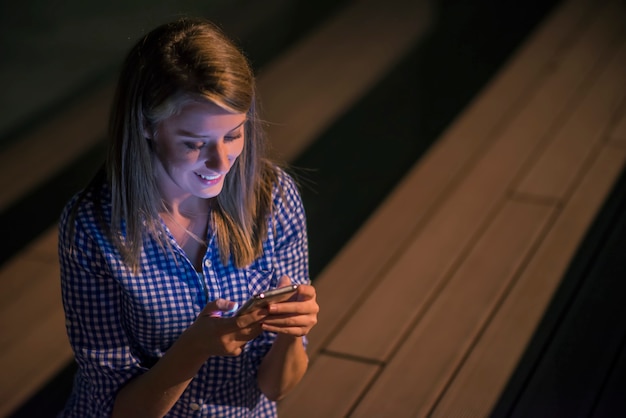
186, 221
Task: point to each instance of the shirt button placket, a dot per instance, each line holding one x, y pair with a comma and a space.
194, 406
204, 277
212, 286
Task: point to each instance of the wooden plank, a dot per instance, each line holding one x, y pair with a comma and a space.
479, 382
587, 327
554, 171
20, 273
33, 341
348, 278
336, 383
44, 247
443, 334
617, 136
447, 235
323, 76
21, 310
27, 365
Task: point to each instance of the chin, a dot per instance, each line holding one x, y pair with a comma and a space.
212, 192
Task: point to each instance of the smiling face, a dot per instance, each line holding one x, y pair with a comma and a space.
194, 150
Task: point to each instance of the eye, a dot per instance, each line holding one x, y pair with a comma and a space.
233, 137
194, 146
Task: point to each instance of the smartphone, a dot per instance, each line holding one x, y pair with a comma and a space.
263, 299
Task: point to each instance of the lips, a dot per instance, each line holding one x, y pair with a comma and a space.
209, 180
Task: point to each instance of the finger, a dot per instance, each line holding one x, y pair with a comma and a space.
218, 307
295, 331
226, 309
306, 292
287, 321
284, 281
226, 306
250, 318
294, 308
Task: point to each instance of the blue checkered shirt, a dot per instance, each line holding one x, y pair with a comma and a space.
119, 324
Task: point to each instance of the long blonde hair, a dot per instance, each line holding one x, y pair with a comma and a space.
182, 59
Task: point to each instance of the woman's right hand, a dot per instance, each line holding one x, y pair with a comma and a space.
154, 393
225, 336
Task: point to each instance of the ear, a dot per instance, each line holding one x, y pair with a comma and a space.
147, 129
147, 132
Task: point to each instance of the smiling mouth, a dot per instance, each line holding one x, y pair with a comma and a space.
208, 178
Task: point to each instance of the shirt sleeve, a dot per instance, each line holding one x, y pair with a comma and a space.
291, 255
92, 303
291, 251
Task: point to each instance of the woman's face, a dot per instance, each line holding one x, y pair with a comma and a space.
195, 149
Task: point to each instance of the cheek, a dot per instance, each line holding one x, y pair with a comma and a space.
170, 157
235, 150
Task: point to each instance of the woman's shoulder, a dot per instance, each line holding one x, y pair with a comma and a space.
287, 209
285, 188
89, 204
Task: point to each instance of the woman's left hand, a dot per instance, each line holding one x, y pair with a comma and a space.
295, 316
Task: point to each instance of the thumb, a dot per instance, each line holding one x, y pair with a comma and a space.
284, 281
218, 307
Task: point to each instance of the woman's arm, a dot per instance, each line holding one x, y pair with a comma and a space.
154, 393
286, 362
283, 367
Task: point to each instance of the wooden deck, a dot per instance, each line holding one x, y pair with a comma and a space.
428, 309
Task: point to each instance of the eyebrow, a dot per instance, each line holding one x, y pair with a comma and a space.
184, 132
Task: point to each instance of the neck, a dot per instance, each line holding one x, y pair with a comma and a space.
185, 226
189, 207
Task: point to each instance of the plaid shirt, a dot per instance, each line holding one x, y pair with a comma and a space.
119, 324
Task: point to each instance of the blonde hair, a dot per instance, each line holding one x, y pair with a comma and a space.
181, 60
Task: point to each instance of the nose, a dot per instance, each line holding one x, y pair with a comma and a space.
217, 157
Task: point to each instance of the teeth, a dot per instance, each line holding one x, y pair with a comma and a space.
209, 177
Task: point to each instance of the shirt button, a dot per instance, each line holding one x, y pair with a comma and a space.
207, 263
194, 406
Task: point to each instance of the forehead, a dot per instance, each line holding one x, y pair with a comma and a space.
203, 119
